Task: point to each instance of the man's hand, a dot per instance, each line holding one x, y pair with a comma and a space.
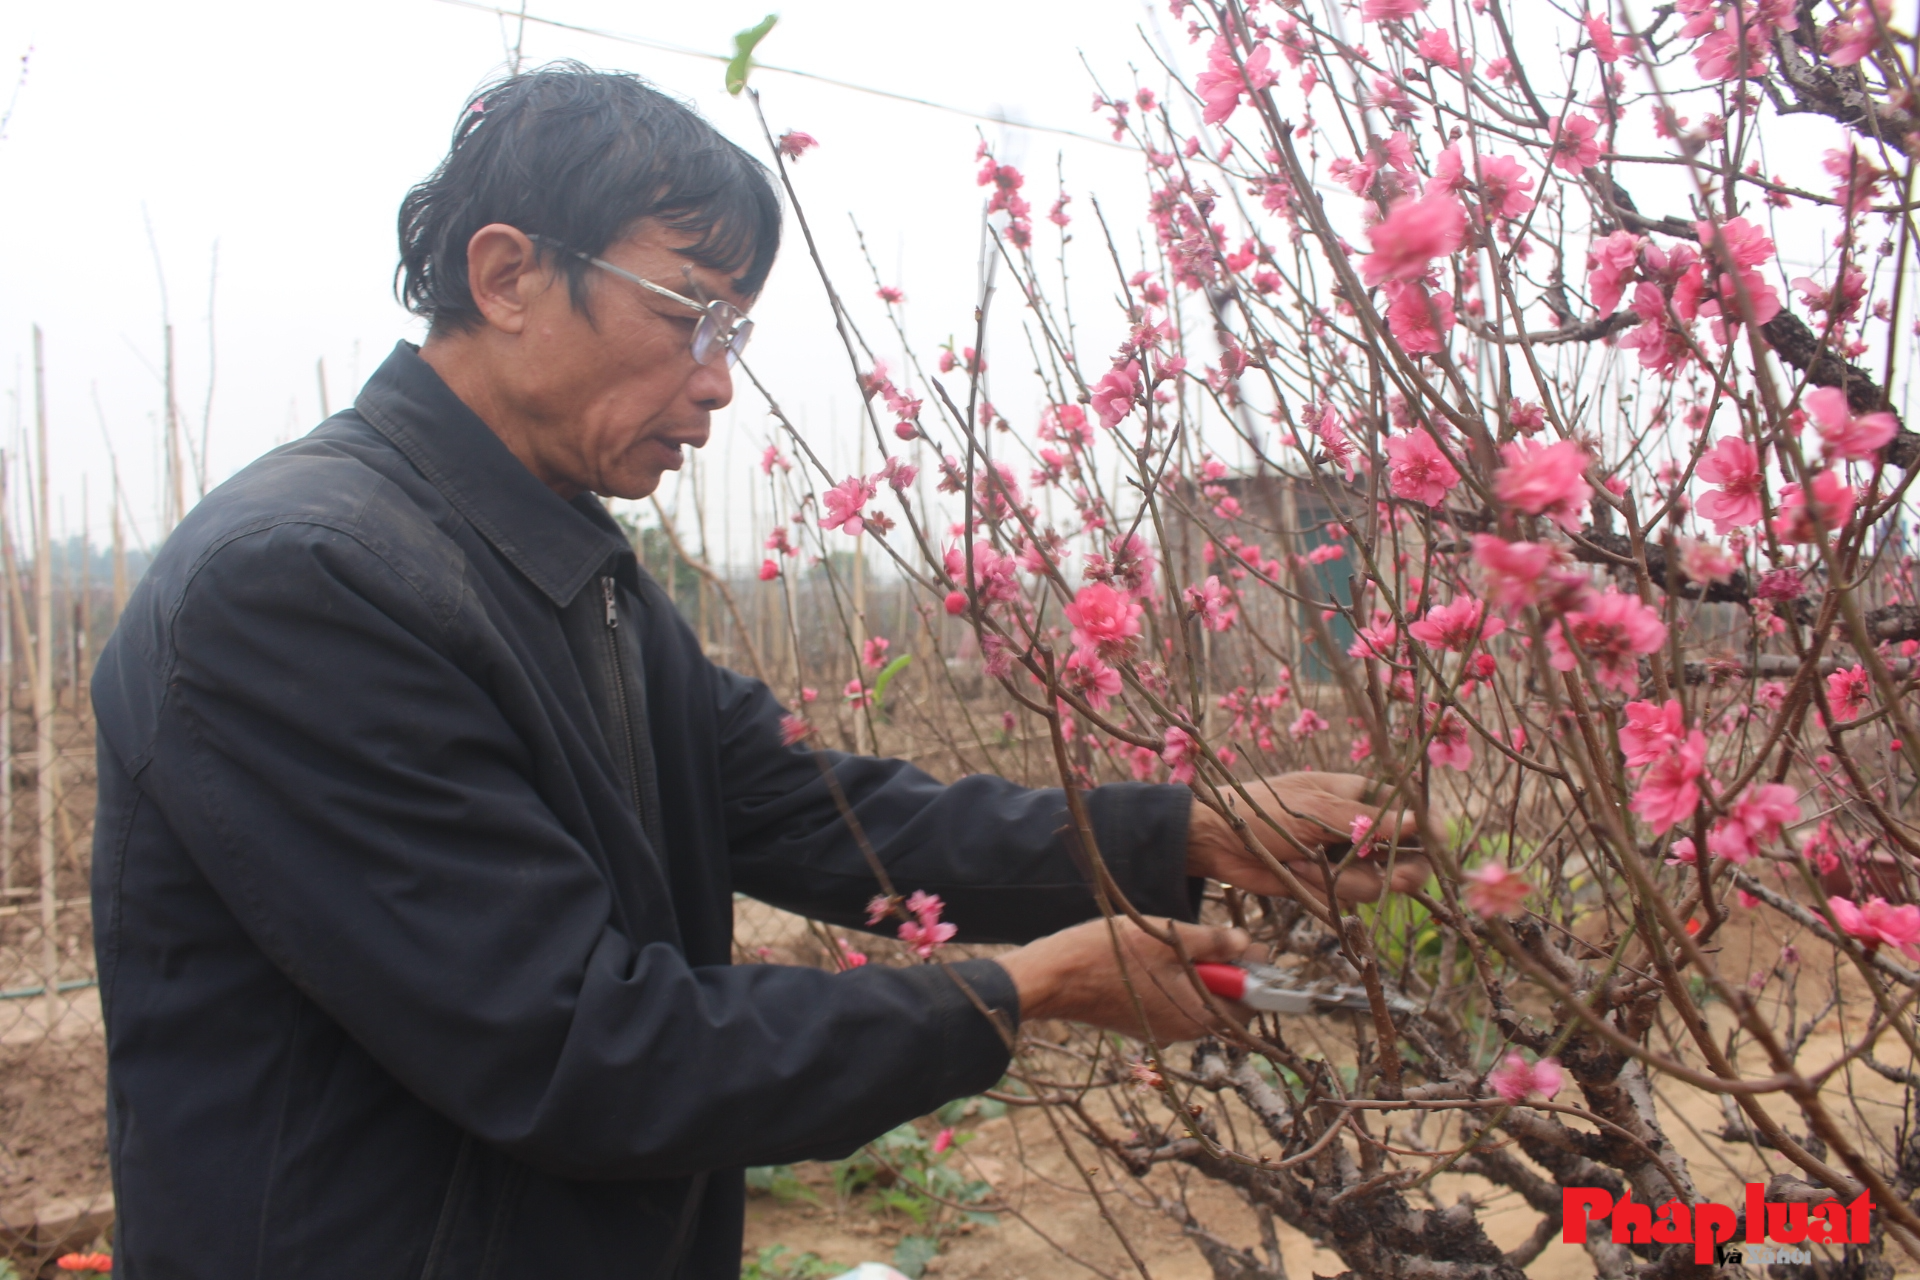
1074, 974
1317, 810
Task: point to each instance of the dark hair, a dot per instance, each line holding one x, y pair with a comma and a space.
575, 157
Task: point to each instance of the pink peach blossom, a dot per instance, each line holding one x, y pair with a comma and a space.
1104, 619
1436, 46
1413, 234
1849, 42
1092, 679
1753, 822
1514, 569
1221, 85
1650, 731
1845, 435
925, 933
1378, 639
1836, 497
1606, 46
1451, 746
1516, 1080
1611, 263
1848, 692
1574, 148
1418, 318
898, 475
1212, 604
1876, 923
1706, 561
1494, 890
1670, 791
1612, 629
1180, 754
1418, 471
1504, 184
1455, 625
1734, 465
793, 144
843, 503
1114, 394
1544, 479
1745, 248
1333, 436
1390, 10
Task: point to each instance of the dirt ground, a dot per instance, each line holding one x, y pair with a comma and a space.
1057, 1217
52, 1151
54, 1127
1059, 1228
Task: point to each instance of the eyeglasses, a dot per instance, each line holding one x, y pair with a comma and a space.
723, 327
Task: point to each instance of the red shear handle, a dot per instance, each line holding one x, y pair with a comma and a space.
1228, 981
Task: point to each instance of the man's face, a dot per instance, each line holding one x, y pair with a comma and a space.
608, 404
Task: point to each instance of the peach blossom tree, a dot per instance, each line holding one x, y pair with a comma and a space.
1504, 403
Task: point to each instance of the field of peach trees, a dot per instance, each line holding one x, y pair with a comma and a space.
1509, 409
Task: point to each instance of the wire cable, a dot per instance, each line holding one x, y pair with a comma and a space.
683, 51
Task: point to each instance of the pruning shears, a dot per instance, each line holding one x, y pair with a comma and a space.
1272, 990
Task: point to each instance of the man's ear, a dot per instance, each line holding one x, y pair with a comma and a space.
505, 275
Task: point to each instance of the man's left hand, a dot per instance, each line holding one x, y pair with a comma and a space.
1317, 810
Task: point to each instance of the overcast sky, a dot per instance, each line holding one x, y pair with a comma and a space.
288, 133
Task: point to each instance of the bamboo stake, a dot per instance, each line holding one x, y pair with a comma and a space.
43, 682
6, 705
176, 495
707, 574
83, 608
863, 720
202, 465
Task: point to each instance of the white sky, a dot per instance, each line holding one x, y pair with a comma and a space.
289, 132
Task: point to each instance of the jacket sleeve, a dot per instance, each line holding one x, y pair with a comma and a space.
332, 753
1005, 858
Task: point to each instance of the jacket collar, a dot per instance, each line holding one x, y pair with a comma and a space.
557, 544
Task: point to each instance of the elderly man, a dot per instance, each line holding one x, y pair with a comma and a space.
421, 813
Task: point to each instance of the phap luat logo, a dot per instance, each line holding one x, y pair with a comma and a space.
1708, 1226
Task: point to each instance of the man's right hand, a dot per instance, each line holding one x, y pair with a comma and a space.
1075, 975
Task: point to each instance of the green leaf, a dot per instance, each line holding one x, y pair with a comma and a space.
914, 1206
743, 46
891, 670
913, 1255
781, 1182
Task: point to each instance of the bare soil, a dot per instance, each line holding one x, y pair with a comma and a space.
53, 1127
1070, 1215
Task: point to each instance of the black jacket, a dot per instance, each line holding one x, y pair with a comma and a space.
421, 816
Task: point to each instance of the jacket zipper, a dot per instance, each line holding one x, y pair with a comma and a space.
687, 1226
622, 707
